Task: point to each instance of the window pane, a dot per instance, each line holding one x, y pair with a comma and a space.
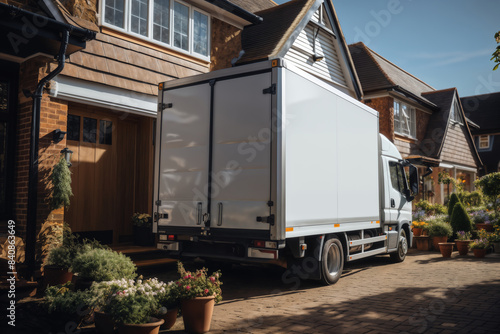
89, 130
105, 135
114, 12
139, 17
181, 26
161, 21
397, 126
4, 93
200, 33
73, 127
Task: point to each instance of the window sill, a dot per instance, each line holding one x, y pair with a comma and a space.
405, 138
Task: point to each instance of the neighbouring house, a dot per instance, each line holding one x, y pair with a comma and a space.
105, 97
428, 126
484, 110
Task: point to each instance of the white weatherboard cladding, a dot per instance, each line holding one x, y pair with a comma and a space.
241, 156
184, 154
301, 54
331, 168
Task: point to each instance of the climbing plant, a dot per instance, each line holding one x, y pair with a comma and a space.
61, 185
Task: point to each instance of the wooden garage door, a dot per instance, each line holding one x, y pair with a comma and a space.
103, 172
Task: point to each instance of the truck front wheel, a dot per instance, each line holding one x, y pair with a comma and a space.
332, 261
400, 254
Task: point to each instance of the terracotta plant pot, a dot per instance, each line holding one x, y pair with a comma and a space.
54, 275
152, 327
437, 240
496, 247
422, 243
417, 231
197, 314
104, 323
479, 253
462, 246
483, 226
170, 317
446, 248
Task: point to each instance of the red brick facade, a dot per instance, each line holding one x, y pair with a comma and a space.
385, 107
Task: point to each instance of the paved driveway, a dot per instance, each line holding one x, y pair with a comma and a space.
424, 294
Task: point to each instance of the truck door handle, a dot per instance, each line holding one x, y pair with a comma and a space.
200, 214
393, 203
219, 220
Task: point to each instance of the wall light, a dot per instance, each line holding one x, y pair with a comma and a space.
58, 135
67, 155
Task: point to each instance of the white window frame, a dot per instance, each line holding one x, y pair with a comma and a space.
455, 113
481, 142
411, 125
127, 24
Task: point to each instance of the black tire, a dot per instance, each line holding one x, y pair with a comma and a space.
332, 261
400, 254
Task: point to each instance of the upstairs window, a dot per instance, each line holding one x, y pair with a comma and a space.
404, 119
484, 142
455, 113
172, 23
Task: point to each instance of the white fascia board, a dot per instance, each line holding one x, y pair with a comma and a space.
458, 167
86, 92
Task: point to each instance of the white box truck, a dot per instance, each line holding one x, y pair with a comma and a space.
267, 163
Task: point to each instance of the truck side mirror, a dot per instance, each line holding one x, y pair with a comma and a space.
413, 180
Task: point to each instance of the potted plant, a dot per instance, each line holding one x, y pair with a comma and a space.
439, 231
479, 247
65, 305
482, 220
101, 264
132, 308
142, 225
463, 240
494, 239
198, 292
169, 305
417, 228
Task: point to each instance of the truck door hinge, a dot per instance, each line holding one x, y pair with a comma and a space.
270, 203
158, 203
269, 219
164, 106
271, 90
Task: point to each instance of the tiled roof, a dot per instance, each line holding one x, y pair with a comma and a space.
484, 110
254, 5
377, 73
264, 40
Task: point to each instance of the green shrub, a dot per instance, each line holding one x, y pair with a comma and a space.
99, 264
59, 256
470, 199
440, 229
61, 298
451, 203
61, 185
490, 185
430, 209
460, 220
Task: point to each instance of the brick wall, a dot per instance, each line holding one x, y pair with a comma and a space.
53, 115
422, 122
385, 107
226, 44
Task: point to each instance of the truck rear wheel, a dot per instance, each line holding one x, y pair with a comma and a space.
332, 261
400, 255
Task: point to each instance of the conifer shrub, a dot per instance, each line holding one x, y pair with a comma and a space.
460, 220
451, 203
97, 264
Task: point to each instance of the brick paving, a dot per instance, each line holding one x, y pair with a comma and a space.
424, 294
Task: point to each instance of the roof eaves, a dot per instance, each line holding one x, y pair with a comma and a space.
236, 10
419, 99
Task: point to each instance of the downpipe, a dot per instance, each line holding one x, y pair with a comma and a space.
33, 158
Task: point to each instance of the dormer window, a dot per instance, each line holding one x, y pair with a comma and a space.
455, 113
175, 24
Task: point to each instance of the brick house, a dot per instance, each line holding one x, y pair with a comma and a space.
105, 97
484, 111
427, 125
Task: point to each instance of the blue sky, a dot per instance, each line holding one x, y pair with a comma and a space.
446, 43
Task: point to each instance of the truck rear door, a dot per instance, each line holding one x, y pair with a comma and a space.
215, 157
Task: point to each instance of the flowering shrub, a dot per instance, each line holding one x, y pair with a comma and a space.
479, 244
417, 224
481, 216
461, 235
141, 219
61, 298
129, 301
418, 215
198, 284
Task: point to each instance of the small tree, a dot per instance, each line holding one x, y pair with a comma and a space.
490, 185
460, 220
451, 203
61, 185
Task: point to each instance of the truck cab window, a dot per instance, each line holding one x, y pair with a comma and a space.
397, 176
